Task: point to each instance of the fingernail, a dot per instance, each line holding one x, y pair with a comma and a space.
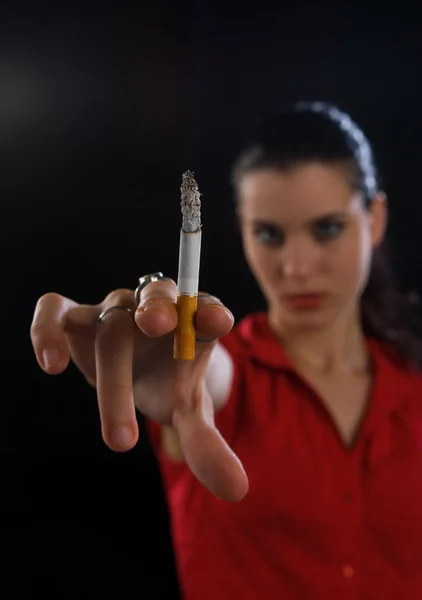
121, 436
50, 357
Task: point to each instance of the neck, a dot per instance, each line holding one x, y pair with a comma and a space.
339, 348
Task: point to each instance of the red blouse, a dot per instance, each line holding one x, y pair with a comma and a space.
320, 521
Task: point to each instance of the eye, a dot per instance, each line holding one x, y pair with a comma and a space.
268, 235
327, 229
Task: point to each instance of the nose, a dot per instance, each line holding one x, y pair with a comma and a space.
297, 259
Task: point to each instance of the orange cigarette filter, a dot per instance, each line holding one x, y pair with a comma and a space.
184, 337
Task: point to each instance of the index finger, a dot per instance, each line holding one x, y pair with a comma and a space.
47, 335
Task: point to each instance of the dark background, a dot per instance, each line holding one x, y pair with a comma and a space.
102, 108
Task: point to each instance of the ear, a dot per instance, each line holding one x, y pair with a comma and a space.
379, 218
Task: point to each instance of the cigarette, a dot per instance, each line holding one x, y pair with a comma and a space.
188, 274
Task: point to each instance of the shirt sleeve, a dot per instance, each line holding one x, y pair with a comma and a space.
228, 419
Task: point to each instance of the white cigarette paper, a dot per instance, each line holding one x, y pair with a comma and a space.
189, 259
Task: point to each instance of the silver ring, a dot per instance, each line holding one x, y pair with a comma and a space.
125, 308
144, 281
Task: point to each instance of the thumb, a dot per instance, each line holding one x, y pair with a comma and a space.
207, 454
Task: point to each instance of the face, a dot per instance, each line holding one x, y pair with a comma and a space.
308, 239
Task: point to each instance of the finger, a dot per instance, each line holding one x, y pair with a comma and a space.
156, 314
114, 365
80, 327
47, 334
81, 319
120, 297
214, 463
212, 319
209, 456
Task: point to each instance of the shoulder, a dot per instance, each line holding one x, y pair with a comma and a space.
386, 359
399, 383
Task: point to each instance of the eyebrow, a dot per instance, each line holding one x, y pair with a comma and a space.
322, 217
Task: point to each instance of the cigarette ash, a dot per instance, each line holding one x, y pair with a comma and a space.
190, 203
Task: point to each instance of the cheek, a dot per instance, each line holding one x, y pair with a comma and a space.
259, 259
350, 259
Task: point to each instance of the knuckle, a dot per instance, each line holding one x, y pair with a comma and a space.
36, 326
50, 296
44, 311
119, 296
40, 325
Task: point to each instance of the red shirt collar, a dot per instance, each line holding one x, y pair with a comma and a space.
262, 345
396, 389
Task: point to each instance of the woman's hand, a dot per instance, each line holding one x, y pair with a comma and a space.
130, 363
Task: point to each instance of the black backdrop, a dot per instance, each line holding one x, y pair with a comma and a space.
102, 107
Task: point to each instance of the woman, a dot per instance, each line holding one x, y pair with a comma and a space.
310, 415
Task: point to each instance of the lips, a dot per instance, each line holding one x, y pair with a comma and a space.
304, 301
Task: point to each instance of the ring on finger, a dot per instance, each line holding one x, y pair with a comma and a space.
117, 307
145, 280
